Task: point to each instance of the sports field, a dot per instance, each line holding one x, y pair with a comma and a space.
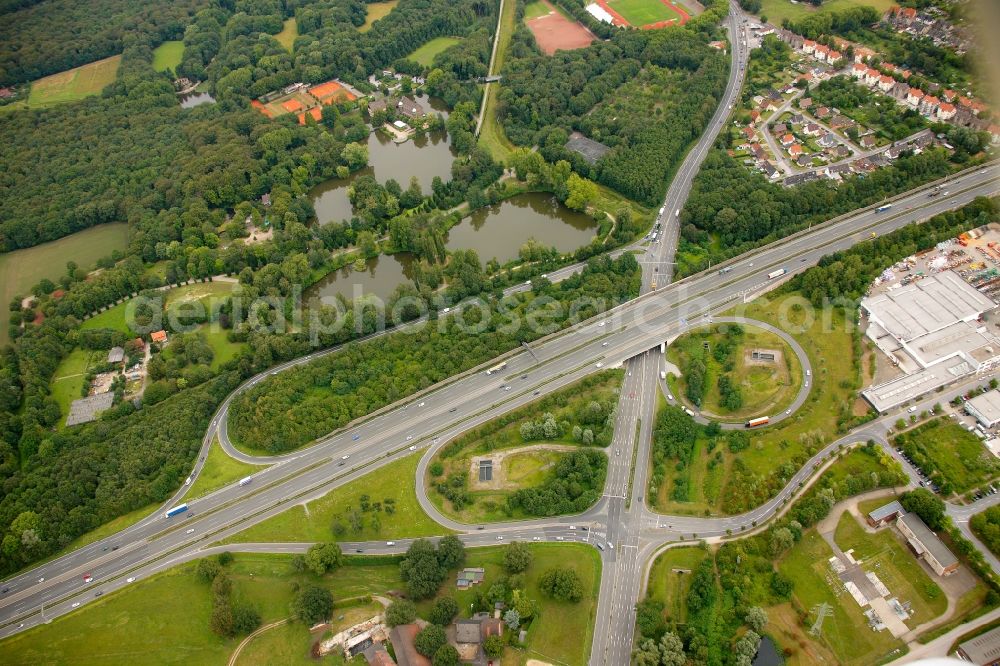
553, 30
168, 55
73, 84
288, 33
377, 10
647, 13
425, 54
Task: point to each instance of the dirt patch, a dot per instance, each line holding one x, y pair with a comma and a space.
499, 480
555, 32
765, 357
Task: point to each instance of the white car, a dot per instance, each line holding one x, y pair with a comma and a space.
912, 409
604, 344
600, 365
42, 579
788, 411
559, 539
130, 579
345, 457
601, 323
572, 527
536, 538
421, 405
446, 310
75, 604
499, 538
413, 447
409, 437
390, 543
190, 531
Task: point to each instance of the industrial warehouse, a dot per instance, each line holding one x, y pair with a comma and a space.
929, 316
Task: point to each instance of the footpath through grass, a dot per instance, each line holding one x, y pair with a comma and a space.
22, 269
349, 513
491, 135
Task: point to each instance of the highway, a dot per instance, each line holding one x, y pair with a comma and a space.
629, 330
423, 423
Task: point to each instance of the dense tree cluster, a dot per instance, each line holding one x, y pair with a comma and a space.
312, 604
925, 504
361, 378
986, 526
647, 95
425, 565
39, 39
575, 485
562, 584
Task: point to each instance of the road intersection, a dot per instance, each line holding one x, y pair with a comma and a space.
624, 336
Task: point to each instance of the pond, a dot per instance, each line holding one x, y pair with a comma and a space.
381, 276
191, 100
767, 654
498, 232
424, 157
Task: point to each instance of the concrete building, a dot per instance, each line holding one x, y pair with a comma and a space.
983, 650
926, 544
985, 408
930, 329
885, 514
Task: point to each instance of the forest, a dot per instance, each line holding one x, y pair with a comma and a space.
290, 410
986, 526
38, 39
606, 92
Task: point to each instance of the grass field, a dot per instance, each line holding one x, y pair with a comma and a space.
425, 54
523, 469
845, 632
289, 31
313, 522
778, 10
22, 269
165, 619
535, 9
377, 10
671, 587
73, 84
643, 12
113, 318
562, 632
765, 389
289, 643
957, 454
223, 349
219, 470
67, 381
168, 55
884, 554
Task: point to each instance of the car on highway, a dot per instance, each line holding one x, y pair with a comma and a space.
536, 538
600, 365
788, 411
413, 447
572, 527
536, 393
345, 457
452, 410
506, 388
130, 579
75, 604
409, 437
87, 578
356, 437
390, 543
559, 538
499, 538
601, 323
98, 593
610, 546
190, 531
421, 404
358, 550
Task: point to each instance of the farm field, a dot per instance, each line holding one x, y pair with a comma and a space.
73, 84
778, 10
377, 10
168, 55
553, 30
289, 31
425, 54
22, 269
345, 506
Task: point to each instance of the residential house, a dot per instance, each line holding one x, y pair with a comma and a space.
769, 170
402, 645
929, 105
838, 171
812, 129
914, 96
840, 121
839, 152
808, 46
926, 544
116, 355
805, 102
754, 116
899, 91
858, 70
885, 83
797, 119
792, 39
749, 133
377, 106
804, 160
159, 337
833, 56
410, 108
779, 128
945, 111
867, 141
758, 151
800, 178
828, 140
948, 95
822, 53
795, 150
787, 140
872, 76
822, 112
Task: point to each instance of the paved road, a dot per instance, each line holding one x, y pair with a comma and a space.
631, 330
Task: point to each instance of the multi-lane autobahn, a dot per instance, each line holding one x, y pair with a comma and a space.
624, 335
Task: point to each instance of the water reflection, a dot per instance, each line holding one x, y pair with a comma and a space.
191, 100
